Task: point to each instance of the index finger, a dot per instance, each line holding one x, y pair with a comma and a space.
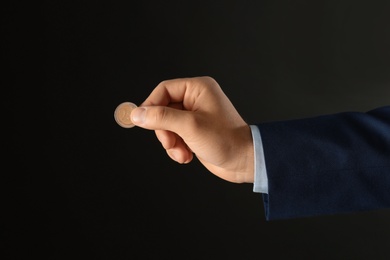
180, 90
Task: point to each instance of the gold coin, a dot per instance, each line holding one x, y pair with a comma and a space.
122, 114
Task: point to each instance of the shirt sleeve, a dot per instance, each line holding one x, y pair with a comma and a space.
260, 180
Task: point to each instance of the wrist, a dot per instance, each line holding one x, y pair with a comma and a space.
245, 168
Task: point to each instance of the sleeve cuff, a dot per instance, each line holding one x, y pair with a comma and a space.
260, 178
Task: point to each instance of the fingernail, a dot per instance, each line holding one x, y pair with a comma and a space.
138, 115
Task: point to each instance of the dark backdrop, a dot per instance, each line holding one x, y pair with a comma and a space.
78, 186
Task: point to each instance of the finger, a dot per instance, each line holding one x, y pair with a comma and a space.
166, 92
166, 138
162, 118
176, 148
180, 154
182, 90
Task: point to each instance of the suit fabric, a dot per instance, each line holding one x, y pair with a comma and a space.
328, 164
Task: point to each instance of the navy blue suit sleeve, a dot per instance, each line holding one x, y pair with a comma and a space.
328, 164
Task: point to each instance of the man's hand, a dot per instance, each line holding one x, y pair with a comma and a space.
194, 116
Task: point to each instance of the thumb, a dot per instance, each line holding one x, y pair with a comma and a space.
159, 118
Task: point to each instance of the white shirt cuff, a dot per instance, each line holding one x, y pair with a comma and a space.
260, 184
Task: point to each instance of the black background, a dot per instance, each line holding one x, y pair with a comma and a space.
78, 186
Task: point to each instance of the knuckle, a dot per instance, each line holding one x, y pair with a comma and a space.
160, 115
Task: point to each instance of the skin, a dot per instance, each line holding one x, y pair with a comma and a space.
193, 116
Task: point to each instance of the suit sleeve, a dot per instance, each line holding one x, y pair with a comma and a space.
328, 164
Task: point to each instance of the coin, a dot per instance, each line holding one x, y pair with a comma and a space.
122, 114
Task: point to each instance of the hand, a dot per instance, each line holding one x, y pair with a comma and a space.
194, 116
